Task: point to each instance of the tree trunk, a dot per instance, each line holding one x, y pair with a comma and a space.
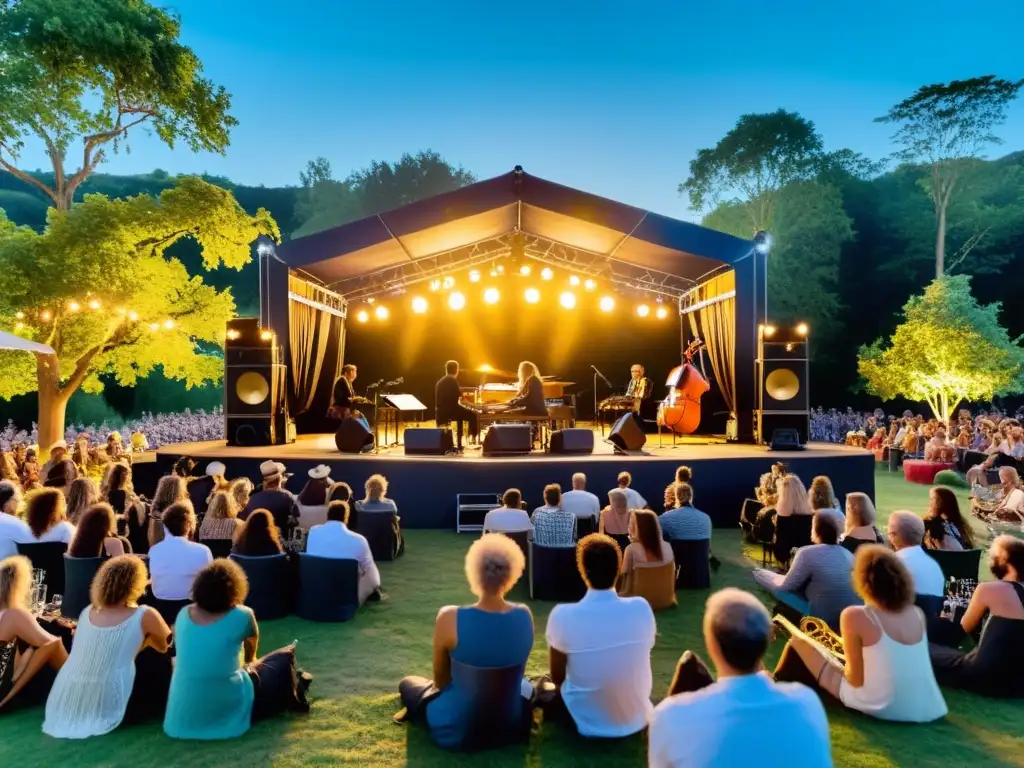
52, 402
940, 241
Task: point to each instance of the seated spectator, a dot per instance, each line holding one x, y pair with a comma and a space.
334, 539
221, 521
887, 673
219, 687
580, 501
44, 513
25, 648
793, 498
993, 668
273, 497
683, 475
183, 467
599, 649
552, 525
510, 517
1003, 452
860, 522
491, 633
911, 442
339, 492
91, 693
877, 439
60, 471
171, 489
81, 496
818, 583
12, 528
96, 535
259, 537
614, 520
376, 503
126, 505
633, 499
201, 488
241, 490
685, 522
938, 448
906, 534
767, 491
823, 497
376, 496
704, 723
647, 547
935, 536
175, 561
314, 493
1011, 496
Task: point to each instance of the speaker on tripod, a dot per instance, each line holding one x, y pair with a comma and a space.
255, 402
783, 376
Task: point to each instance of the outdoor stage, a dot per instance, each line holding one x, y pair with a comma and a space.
425, 487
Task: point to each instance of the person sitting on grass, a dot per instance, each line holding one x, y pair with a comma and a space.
685, 522
906, 534
860, 522
818, 583
96, 535
887, 673
92, 691
510, 517
599, 650
219, 687
26, 650
943, 505
258, 537
333, 539
993, 668
703, 723
45, 515
552, 525
491, 633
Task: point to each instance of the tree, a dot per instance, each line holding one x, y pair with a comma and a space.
99, 287
949, 348
946, 127
325, 202
752, 162
88, 72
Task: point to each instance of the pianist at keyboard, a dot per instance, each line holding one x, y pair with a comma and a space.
448, 407
529, 400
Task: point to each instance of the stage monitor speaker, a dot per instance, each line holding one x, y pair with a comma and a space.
427, 441
628, 433
786, 438
572, 441
506, 439
353, 436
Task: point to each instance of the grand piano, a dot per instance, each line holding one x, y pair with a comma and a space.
497, 388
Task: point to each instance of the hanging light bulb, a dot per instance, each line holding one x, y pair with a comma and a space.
662, 313
133, 316
448, 283
381, 312
568, 300
45, 315
362, 316
456, 300
525, 270
74, 306
435, 285
607, 304
643, 310
532, 295
491, 296
19, 315
168, 324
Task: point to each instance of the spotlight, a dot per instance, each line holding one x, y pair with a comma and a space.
568, 300
802, 329
662, 313
266, 335
589, 284
456, 301
232, 334
381, 312
168, 324
494, 273
419, 305
763, 242
74, 306
491, 296
546, 273
362, 315
532, 295
607, 304
769, 331
447, 283
474, 276
525, 270
435, 285
371, 300
643, 310
94, 304
574, 280
485, 368
501, 269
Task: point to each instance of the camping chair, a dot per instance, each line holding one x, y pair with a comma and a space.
383, 533
270, 585
168, 609
48, 556
585, 526
521, 538
328, 588
554, 575
654, 583
78, 576
692, 556
219, 548
791, 533
500, 715
310, 516
957, 565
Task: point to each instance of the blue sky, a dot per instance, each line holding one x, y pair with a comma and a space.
614, 98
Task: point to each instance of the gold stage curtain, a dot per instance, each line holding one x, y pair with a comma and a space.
716, 324
309, 332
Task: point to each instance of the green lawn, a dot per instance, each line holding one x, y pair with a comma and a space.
357, 667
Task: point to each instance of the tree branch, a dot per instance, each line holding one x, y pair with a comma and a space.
965, 250
31, 180
80, 372
97, 140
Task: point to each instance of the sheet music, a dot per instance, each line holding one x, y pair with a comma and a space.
404, 402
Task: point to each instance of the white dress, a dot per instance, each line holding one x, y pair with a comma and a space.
91, 692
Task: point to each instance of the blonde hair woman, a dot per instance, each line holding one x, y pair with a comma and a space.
221, 520
170, 490
860, 522
490, 633
90, 695
823, 496
793, 498
241, 490
530, 397
376, 496
24, 647
81, 496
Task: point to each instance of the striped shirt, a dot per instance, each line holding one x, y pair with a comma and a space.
821, 573
554, 527
685, 524
219, 528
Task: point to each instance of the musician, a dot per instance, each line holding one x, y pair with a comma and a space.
344, 393
448, 405
639, 385
530, 397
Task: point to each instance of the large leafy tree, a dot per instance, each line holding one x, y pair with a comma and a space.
325, 202
947, 127
98, 286
948, 349
78, 76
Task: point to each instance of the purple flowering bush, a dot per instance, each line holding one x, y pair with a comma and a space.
160, 429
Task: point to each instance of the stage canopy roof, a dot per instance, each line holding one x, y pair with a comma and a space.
515, 215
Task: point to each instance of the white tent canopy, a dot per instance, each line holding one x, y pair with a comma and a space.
10, 341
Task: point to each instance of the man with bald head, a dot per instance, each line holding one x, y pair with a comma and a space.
728, 722
906, 533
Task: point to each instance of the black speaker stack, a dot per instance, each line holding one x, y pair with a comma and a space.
572, 441
255, 378
627, 434
427, 441
508, 440
353, 436
783, 397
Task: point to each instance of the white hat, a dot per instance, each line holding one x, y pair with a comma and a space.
59, 444
216, 468
271, 468
320, 472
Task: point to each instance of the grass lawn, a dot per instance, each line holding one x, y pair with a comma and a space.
357, 667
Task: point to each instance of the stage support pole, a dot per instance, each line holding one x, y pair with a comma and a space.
751, 311
274, 295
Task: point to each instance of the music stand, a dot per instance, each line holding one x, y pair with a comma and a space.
402, 404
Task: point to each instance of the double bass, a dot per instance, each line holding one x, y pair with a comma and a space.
680, 411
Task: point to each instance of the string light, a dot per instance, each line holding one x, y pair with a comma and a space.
74, 306
19, 315
532, 295
154, 326
45, 316
607, 304
456, 300
94, 304
133, 316
381, 312
546, 273
643, 310
492, 296
18, 326
568, 300
419, 305
662, 313
168, 324
362, 316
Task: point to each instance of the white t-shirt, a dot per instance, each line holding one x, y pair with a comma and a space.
62, 531
581, 503
334, 539
608, 641
633, 499
1015, 500
13, 531
927, 574
503, 520
173, 565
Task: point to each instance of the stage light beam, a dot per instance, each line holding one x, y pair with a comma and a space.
456, 301
662, 313
643, 310
607, 304
419, 305
381, 312
362, 316
532, 295
491, 296
568, 300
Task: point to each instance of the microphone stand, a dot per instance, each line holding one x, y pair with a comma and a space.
597, 417
376, 409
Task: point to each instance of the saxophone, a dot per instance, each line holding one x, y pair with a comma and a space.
816, 631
